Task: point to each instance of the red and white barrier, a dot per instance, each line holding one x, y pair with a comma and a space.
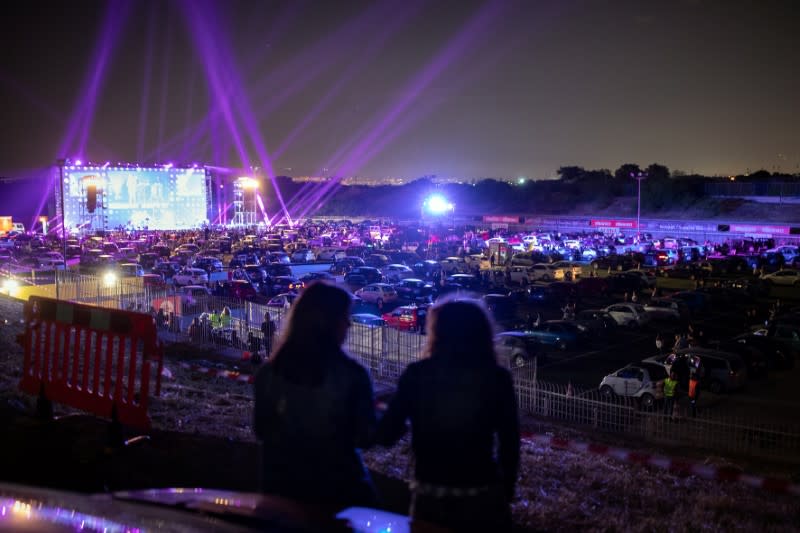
677, 466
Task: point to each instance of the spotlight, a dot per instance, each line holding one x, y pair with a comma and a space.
437, 204
10, 287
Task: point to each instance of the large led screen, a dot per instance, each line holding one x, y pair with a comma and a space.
154, 198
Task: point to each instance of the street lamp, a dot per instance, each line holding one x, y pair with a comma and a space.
639, 176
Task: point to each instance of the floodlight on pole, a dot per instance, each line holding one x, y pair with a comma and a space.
639, 176
61, 162
437, 205
246, 183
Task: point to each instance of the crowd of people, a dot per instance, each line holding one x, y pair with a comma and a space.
314, 411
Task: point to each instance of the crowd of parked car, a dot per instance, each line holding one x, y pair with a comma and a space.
547, 291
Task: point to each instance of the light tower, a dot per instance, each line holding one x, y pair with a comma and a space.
638, 176
245, 189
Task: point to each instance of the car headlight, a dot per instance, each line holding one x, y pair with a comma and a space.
109, 279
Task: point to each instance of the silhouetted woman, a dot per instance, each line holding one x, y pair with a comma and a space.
458, 400
314, 407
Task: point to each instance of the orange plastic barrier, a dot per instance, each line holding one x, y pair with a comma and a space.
94, 359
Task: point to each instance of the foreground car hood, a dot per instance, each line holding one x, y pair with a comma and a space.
25, 508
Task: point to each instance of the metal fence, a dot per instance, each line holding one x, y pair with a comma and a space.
707, 430
385, 352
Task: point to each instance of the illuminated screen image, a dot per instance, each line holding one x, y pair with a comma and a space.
153, 198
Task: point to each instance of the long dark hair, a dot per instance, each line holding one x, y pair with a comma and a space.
461, 331
318, 321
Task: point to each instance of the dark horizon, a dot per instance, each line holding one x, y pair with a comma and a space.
387, 89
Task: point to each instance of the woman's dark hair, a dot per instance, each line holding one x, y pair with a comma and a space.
461, 331
317, 321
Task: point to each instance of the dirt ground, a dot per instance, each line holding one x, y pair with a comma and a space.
202, 436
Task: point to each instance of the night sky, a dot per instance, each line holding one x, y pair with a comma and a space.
403, 88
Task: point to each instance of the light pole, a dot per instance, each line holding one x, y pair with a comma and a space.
61, 162
639, 176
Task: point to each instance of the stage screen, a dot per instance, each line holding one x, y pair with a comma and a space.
153, 198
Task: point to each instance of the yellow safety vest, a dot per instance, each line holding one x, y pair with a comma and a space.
669, 387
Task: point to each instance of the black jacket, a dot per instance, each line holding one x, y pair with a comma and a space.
310, 435
455, 413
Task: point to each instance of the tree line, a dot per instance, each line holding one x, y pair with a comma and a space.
575, 190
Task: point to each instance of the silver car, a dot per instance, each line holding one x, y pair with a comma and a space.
643, 381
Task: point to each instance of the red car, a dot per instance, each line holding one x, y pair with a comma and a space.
154, 281
407, 317
239, 288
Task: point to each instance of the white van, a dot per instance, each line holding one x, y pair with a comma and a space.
18, 226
